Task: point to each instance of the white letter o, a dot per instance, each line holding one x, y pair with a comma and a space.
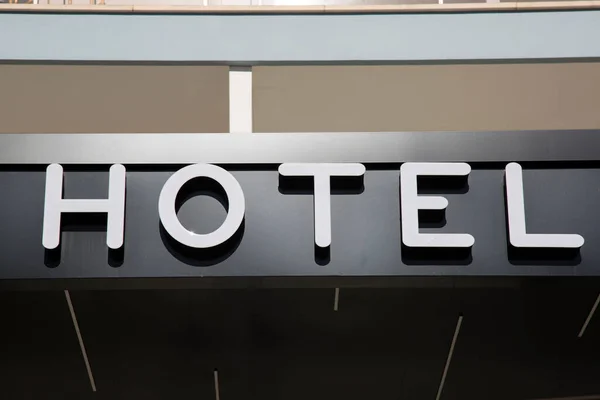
168, 214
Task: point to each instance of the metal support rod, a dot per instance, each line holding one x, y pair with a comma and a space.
217, 392
336, 299
589, 317
449, 359
80, 339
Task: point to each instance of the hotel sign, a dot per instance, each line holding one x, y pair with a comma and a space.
300, 205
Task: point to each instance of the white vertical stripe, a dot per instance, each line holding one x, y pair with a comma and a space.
449, 359
589, 317
80, 339
240, 99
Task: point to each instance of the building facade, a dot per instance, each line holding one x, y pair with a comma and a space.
274, 315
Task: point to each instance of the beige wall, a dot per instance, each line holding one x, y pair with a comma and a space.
434, 97
135, 98
92, 98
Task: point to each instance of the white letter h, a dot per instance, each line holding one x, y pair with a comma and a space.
55, 205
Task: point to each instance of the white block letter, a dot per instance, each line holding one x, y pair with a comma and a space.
411, 203
517, 232
322, 174
235, 213
55, 205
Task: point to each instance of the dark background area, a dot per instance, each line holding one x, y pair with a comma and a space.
516, 342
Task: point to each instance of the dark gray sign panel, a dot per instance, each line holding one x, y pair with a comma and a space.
276, 237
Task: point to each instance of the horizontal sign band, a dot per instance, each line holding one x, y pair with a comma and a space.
275, 148
117, 223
